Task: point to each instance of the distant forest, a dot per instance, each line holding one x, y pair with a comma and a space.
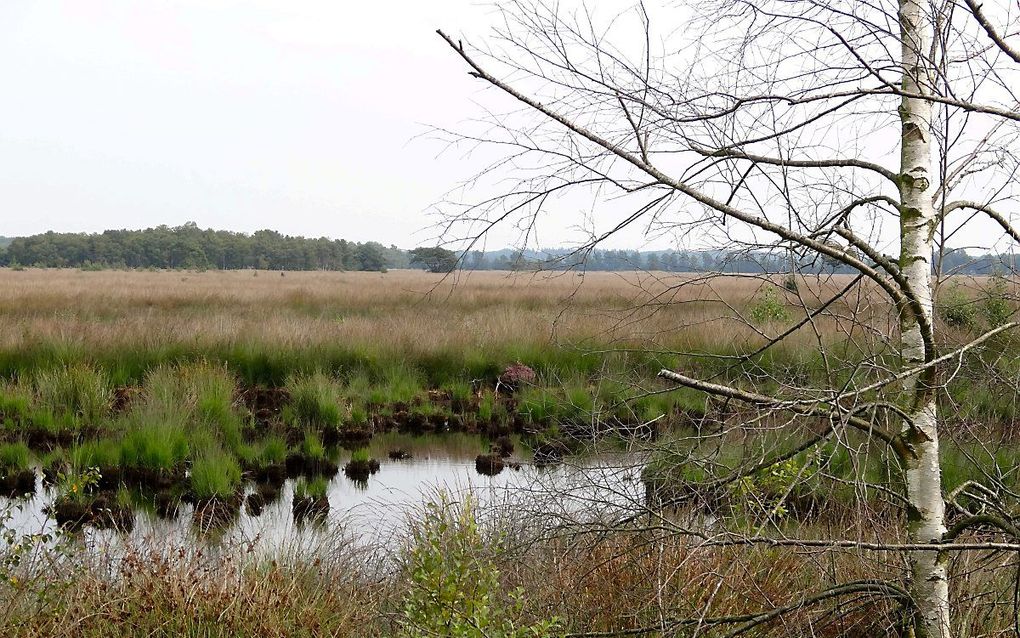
189, 247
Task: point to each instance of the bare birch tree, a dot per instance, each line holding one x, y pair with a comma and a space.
775, 124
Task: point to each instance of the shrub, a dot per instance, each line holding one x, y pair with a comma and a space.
996, 305
455, 585
769, 307
765, 494
518, 375
956, 309
78, 484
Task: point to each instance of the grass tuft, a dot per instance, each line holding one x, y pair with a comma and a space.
214, 474
14, 457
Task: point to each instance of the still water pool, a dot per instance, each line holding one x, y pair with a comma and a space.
375, 513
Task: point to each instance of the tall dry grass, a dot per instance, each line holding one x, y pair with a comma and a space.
403, 314
645, 583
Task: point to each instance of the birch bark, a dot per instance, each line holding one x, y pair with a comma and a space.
929, 585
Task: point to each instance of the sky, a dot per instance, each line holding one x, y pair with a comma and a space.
304, 117
309, 117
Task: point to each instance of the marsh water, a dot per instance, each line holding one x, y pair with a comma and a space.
374, 513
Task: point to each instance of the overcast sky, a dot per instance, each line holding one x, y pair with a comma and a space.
304, 116
296, 116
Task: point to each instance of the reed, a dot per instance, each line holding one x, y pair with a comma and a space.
603, 581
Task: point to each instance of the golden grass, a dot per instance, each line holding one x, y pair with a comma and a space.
399, 311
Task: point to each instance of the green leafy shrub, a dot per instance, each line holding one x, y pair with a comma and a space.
765, 493
769, 307
77, 485
455, 586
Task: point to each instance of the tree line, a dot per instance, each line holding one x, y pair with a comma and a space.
188, 247
192, 248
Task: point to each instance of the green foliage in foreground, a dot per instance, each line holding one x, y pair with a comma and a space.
455, 585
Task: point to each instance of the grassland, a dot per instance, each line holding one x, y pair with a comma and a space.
149, 375
267, 327
171, 386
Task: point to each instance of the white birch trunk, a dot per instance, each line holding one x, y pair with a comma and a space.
929, 586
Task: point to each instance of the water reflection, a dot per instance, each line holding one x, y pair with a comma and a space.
372, 511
